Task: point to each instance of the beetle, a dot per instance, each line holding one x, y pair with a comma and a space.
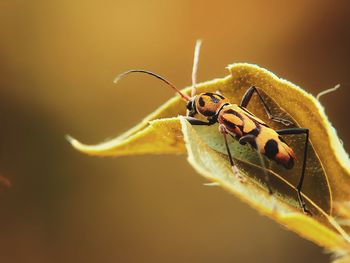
238, 122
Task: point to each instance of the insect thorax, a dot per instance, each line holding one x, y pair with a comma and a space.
208, 104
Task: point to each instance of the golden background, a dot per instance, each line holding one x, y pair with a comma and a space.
58, 60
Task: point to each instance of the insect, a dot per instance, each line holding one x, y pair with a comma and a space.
236, 121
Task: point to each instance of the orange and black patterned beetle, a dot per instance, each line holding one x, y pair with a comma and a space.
236, 121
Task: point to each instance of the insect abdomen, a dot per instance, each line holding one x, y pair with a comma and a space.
270, 144
240, 122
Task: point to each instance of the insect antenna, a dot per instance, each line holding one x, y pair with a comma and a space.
195, 66
183, 95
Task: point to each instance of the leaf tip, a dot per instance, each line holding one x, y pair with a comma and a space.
74, 142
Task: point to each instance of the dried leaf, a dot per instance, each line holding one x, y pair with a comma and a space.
327, 176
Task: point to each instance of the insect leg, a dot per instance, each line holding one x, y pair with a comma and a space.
248, 95
195, 121
267, 175
300, 184
224, 132
247, 138
250, 138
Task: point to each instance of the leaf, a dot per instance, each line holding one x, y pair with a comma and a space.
160, 136
327, 176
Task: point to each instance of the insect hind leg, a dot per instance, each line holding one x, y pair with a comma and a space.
267, 175
246, 99
305, 131
250, 138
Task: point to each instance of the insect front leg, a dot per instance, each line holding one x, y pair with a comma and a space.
300, 184
195, 121
248, 95
224, 132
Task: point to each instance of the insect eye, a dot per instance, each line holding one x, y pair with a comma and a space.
189, 105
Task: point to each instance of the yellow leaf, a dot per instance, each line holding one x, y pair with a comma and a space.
327, 177
160, 136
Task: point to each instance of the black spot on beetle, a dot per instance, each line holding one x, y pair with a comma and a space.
201, 102
208, 113
231, 111
255, 132
271, 148
220, 96
229, 124
212, 97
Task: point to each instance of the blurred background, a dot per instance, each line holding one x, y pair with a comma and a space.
58, 60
